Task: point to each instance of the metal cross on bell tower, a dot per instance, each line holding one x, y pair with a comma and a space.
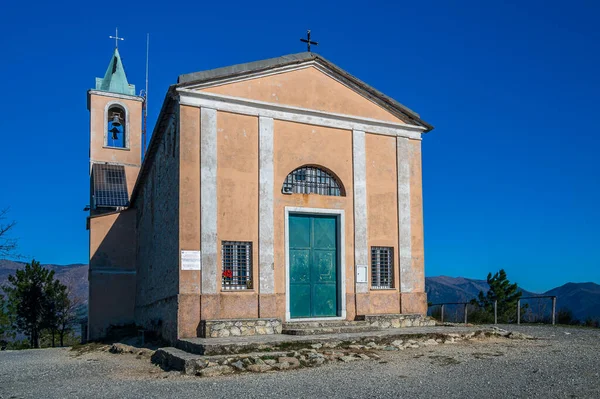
308, 41
116, 37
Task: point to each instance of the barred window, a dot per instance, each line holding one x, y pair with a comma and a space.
311, 180
237, 265
382, 267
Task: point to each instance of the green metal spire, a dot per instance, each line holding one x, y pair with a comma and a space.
115, 80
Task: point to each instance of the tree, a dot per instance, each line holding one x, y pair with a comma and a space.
7, 244
5, 330
504, 292
28, 299
50, 313
66, 312
565, 316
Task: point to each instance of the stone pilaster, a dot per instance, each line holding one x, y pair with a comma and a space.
208, 200
361, 249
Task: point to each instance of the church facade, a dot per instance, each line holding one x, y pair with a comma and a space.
271, 192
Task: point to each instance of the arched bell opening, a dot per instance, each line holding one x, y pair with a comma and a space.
116, 126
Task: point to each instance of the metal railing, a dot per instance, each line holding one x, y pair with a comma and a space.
537, 297
466, 308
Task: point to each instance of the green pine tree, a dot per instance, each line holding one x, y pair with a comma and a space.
65, 311
505, 293
5, 330
29, 301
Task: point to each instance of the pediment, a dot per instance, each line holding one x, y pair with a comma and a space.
305, 81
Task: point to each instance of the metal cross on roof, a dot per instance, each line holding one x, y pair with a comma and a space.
308, 41
116, 37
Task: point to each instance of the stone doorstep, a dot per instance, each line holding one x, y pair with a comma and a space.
328, 330
237, 345
388, 316
291, 325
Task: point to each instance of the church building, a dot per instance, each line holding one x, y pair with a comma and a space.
271, 193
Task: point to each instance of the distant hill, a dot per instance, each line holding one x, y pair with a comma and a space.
583, 299
74, 276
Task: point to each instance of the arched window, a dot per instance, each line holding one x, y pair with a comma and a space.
116, 126
312, 180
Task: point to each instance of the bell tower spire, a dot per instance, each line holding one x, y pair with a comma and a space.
115, 79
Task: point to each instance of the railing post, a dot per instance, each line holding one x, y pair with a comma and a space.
553, 310
495, 312
466, 304
518, 311
442, 312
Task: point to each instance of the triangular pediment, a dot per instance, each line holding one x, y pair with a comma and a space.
305, 81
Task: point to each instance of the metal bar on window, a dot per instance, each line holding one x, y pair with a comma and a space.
382, 267
236, 265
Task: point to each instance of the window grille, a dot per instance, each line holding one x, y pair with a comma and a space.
237, 265
311, 180
109, 186
382, 267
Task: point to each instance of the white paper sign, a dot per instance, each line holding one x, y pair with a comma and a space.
190, 260
361, 274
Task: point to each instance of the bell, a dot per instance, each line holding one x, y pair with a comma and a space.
114, 132
116, 121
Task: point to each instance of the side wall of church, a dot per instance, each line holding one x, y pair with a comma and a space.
189, 219
157, 208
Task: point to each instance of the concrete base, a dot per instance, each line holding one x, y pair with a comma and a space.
282, 342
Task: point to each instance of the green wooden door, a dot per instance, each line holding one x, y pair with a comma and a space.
313, 266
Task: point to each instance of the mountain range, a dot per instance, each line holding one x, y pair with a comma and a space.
74, 276
583, 299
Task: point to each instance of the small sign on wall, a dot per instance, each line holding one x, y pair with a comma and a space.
361, 273
190, 260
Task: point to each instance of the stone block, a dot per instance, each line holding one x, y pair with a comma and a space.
258, 368
215, 371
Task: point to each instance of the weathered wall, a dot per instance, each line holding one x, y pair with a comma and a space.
189, 219
157, 207
306, 88
295, 145
382, 216
112, 271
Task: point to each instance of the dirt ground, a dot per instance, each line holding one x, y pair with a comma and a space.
564, 362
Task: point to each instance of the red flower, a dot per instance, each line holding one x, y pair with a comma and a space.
227, 274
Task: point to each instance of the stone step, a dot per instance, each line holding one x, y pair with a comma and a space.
329, 330
323, 323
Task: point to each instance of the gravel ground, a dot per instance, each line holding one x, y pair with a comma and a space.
563, 363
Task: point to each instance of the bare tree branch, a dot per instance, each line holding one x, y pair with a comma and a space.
7, 244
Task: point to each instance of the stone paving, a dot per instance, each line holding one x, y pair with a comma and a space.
317, 350
218, 346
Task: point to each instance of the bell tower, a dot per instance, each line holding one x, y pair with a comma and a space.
115, 162
115, 138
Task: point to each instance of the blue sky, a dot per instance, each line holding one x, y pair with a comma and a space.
511, 172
